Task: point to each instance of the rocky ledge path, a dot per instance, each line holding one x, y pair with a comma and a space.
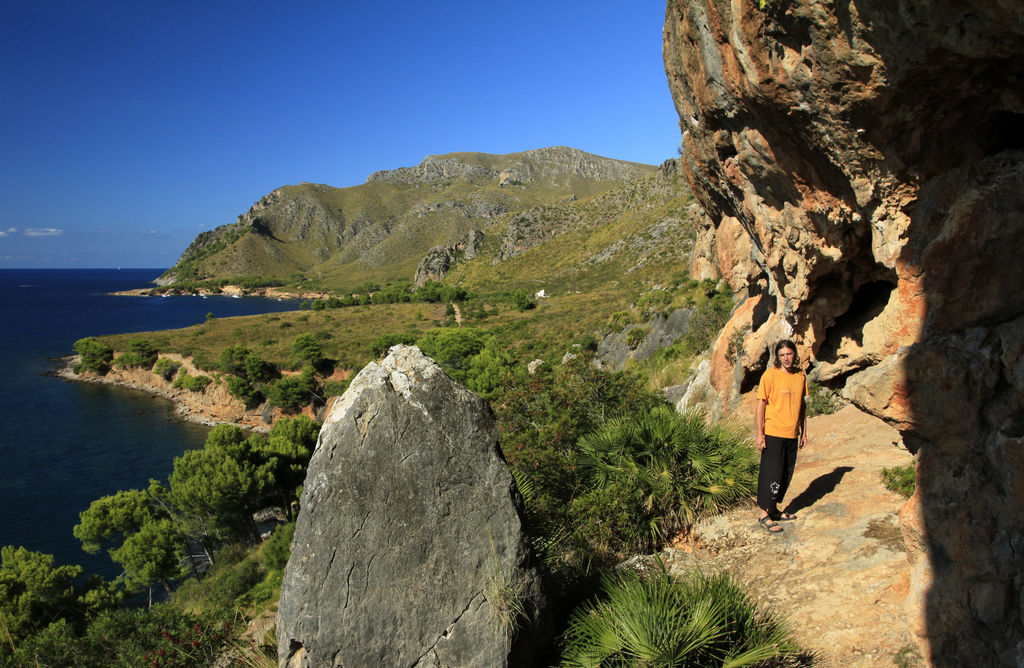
838, 572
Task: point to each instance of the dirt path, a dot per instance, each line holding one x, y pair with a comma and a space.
839, 571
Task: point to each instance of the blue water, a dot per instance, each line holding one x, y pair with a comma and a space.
64, 444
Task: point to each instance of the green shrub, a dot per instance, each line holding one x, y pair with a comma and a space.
380, 345
166, 368
663, 470
540, 420
336, 388
452, 348
96, 356
288, 450
277, 548
267, 590
244, 390
635, 336
908, 656
161, 635
139, 354
618, 320
655, 303
232, 360
434, 292
822, 401
522, 300
900, 479
308, 348
707, 321
658, 620
291, 393
586, 342
34, 592
735, 350
225, 586
245, 364
487, 369
257, 370
191, 383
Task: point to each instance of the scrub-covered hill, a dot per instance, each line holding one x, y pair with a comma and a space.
380, 230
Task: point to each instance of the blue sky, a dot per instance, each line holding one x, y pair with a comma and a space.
126, 128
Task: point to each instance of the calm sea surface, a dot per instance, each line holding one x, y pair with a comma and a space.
64, 444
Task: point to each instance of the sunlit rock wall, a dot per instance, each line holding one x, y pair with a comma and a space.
861, 165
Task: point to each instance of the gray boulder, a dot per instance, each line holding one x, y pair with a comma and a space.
409, 549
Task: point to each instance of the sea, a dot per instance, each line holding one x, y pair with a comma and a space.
64, 444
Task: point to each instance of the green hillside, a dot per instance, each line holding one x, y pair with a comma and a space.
380, 230
603, 261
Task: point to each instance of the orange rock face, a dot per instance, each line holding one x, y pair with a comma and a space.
872, 155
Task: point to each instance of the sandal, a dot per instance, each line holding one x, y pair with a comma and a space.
785, 517
770, 525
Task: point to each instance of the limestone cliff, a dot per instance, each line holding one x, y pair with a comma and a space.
861, 165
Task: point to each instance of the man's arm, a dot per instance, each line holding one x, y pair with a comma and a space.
802, 421
759, 423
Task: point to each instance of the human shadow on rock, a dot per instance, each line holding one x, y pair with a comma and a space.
819, 487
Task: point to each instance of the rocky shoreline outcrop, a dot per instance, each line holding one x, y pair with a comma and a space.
229, 291
212, 406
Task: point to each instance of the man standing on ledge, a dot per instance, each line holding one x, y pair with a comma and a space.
781, 426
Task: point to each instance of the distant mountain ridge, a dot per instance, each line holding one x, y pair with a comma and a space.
514, 168
381, 230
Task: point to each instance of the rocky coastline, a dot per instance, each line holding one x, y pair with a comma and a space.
212, 406
225, 291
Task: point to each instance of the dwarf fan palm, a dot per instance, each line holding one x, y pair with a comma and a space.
659, 621
677, 465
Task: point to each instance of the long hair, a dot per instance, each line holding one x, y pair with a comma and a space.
786, 343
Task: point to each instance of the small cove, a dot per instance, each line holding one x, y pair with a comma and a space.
64, 444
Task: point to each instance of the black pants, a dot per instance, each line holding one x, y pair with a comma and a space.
777, 461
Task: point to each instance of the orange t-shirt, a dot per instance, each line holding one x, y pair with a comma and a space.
784, 392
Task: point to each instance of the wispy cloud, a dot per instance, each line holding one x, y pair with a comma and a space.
156, 234
42, 232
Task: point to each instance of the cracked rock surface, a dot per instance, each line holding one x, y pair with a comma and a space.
409, 547
861, 165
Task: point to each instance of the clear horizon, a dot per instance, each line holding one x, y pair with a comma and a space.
130, 128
